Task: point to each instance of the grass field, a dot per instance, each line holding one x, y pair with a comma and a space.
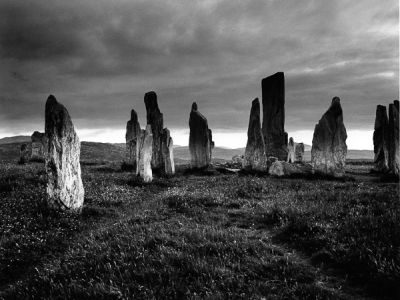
192, 236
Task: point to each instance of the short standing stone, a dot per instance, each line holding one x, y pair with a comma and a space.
168, 153
155, 119
64, 183
38, 146
132, 138
24, 153
200, 139
380, 139
393, 134
273, 127
282, 168
329, 149
291, 151
254, 156
145, 153
299, 152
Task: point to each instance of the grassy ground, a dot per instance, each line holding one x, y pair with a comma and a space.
192, 236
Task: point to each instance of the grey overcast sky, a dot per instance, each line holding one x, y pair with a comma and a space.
100, 57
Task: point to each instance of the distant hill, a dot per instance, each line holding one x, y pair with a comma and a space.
15, 139
92, 151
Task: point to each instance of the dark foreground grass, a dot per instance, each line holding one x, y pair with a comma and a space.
191, 236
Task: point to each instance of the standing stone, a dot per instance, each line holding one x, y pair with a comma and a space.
145, 154
380, 138
168, 153
329, 149
155, 119
273, 127
200, 139
38, 144
132, 138
299, 152
24, 154
291, 154
64, 183
393, 135
254, 155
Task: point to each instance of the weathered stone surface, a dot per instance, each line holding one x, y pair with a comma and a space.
238, 159
299, 152
168, 153
145, 153
282, 168
329, 149
254, 156
393, 135
273, 127
291, 151
64, 183
380, 138
38, 146
200, 139
24, 153
132, 139
155, 119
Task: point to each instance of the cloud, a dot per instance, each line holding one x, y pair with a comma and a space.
99, 58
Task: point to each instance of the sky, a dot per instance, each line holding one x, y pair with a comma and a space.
100, 57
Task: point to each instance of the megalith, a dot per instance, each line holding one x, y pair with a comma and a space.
381, 139
393, 137
64, 182
145, 153
132, 139
24, 153
273, 126
299, 152
200, 139
291, 151
329, 149
167, 145
254, 155
38, 146
155, 119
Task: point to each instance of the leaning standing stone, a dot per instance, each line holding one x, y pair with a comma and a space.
393, 135
64, 183
145, 153
329, 149
291, 154
254, 155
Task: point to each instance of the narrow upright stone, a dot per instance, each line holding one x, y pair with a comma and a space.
155, 119
329, 149
380, 138
254, 155
24, 153
291, 151
168, 153
64, 183
273, 127
200, 139
393, 135
146, 148
299, 152
132, 138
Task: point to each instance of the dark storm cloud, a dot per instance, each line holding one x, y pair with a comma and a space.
100, 57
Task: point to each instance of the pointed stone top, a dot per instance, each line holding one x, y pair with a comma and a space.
291, 141
255, 102
134, 116
51, 100
274, 76
335, 100
194, 106
335, 109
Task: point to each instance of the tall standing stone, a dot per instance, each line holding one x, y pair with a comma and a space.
200, 139
64, 183
145, 153
329, 149
38, 145
299, 152
273, 127
393, 135
380, 138
155, 119
254, 155
291, 151
168, 153
132, 138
